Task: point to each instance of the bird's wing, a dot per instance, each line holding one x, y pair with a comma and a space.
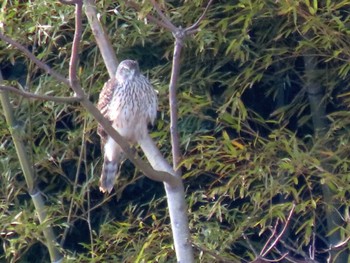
105, 98
153, 107
152, 101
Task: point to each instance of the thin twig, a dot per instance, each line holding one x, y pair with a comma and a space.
69, 2
174, 76
263, 254
165, 19
75, 184
194, 27
148, 16
294, 260
30, 95
250, 245
337, 246
158, 22
214, 254
92, 252
312, 247
275, 260
31, 56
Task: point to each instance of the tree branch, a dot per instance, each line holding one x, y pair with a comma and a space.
192, 29
164, 18
101, 38
250, 245
39, 96
151, 18
33, 58
214, 254
175, 141
264, 251
179, 35
338, 246
143, 166
69, 2
73, 64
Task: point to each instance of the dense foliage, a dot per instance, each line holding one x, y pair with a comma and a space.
253, 144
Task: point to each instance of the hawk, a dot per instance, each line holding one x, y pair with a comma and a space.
129, 102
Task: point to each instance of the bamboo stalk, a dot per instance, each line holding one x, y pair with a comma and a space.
315, 94
55, 255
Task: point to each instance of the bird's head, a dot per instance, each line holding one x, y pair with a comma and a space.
127, 70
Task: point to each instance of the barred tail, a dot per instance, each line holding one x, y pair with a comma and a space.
108, 175
113, 156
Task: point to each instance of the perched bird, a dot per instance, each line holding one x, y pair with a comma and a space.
129, 102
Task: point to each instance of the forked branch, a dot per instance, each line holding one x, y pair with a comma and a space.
271, 242
150, 17
266, 249
179, 34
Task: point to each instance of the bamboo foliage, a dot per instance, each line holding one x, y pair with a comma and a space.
258, 81
28, 172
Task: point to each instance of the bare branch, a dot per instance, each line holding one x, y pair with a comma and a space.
175, 142
280, 234
165, 21
262, 253
148, 16
179, 35
69, 2
264, 260
39, 63
250, 245
338, 246
306, 259
214, 254
163, 17
39, 96
158, 22
194, 27
103, 42
73, 64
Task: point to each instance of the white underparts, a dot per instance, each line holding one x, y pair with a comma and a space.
110, 148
